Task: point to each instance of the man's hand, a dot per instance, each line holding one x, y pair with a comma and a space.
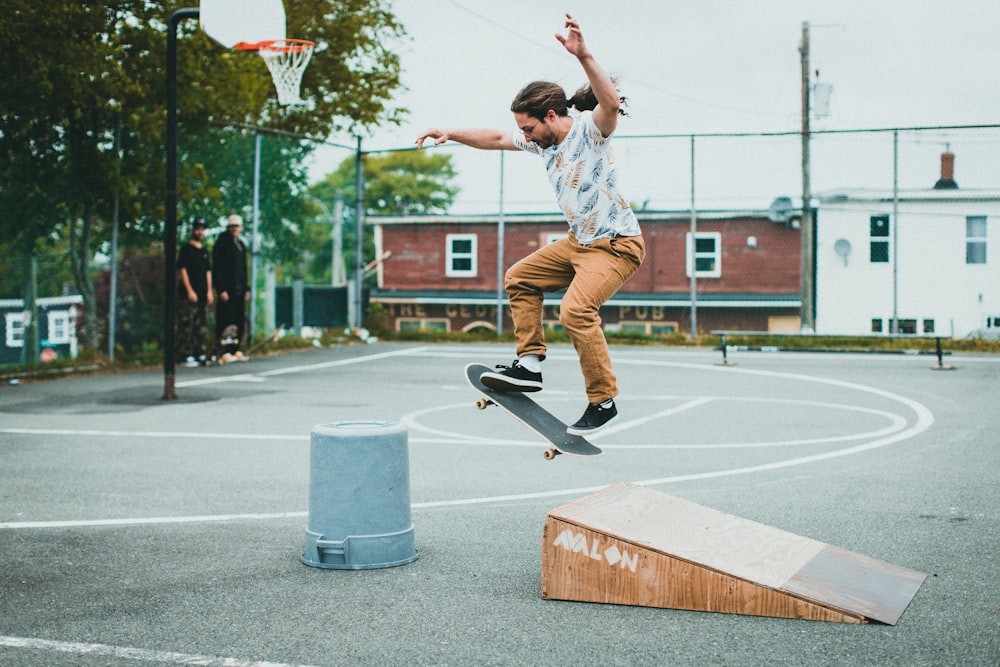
484, 139
439, 137
573, 40
608, 100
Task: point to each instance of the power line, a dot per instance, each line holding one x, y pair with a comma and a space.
641, 84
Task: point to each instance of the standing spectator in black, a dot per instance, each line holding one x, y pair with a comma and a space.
229, 273
194, 291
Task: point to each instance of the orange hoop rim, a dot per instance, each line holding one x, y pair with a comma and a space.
277, 45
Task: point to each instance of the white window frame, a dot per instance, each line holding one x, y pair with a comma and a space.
451, 255
423, 324
971, 241
648, 328
715, 255
15, 324
60, 331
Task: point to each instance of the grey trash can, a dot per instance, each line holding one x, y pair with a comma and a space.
359, 497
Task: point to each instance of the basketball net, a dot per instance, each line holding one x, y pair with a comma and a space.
287, 59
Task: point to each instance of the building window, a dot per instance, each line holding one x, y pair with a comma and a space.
876, 325
975, 239
705, 254
460, 256
928, 326
552, 237
879, 246
413, 324
59, 327
648, 328
14, 325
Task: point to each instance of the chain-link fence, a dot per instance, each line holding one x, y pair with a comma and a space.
730, 181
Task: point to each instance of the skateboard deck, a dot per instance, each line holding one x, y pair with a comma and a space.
227, 348
532, 415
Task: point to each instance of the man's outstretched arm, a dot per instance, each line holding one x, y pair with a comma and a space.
608, 100
484, 139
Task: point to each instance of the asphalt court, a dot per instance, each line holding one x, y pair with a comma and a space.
136, 530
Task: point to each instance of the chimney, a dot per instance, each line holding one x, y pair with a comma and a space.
947, 180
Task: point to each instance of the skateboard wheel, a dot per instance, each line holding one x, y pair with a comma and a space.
550, 454
483, 403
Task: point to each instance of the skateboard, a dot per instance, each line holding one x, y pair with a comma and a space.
532, 415
227, 349
275, 335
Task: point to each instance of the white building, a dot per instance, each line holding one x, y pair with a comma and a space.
935, 265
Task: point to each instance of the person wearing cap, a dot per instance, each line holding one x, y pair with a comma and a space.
194, 292
229, 273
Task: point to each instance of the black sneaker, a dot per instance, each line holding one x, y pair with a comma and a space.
594, 419
512, 378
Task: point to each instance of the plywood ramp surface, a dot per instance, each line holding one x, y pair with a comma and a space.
629, 544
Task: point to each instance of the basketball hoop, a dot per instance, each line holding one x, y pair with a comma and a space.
286, 59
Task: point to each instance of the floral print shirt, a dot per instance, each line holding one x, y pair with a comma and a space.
584, 174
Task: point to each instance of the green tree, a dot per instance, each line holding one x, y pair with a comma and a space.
82, 122
395, 183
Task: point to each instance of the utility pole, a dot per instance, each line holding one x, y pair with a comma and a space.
808, 241
694, 243
359, 232
501, 233
338, 276
170, 228
254, 240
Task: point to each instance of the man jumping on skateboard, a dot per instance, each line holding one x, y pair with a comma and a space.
604, 246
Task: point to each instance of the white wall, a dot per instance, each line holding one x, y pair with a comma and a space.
933, 279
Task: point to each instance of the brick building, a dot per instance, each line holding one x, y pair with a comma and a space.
441, 272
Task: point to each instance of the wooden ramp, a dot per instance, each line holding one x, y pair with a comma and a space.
628, 544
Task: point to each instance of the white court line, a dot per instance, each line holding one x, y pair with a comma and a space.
126, 653
243, 377
148, 521
409, 420
152, 434
896, 423
690, 405
925, 419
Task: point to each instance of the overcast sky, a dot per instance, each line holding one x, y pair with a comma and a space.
724, 66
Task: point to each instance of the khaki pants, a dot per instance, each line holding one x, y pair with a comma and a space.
590, 275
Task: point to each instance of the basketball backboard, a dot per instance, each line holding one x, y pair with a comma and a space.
235, 22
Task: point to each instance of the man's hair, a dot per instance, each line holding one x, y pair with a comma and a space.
538, 97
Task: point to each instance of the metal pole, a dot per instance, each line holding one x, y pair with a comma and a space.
500, 252
113, 284
895, 232
337, 272
694, 266
359, 227
32, 332
113, 278
170, 228
255, 239
807, 266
